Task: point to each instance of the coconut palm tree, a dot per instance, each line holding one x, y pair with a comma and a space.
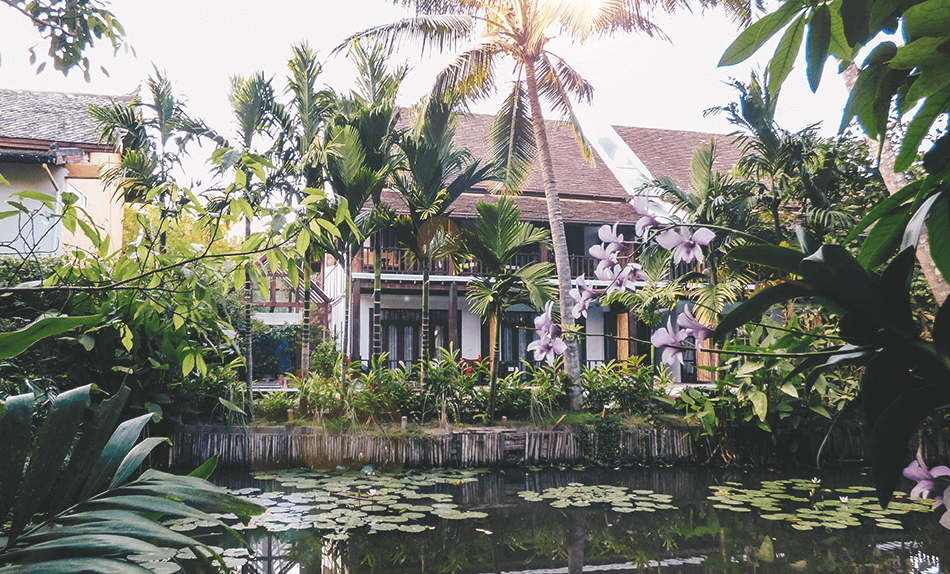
521, 30
435, 174
498, 237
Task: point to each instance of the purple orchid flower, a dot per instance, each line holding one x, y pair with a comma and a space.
693, 328
583, 296
641, 206
686, 248
547, 348
606, 253
544, 323
625, 279
668, 340
609, 236
928, 481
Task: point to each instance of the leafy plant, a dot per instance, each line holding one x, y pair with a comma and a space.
65, 495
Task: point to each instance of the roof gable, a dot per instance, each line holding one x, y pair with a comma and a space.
52, 117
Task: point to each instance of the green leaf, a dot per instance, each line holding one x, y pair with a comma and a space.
187, 364
938, 234
16, 432
760, 404
4, 181
230, 406
919, 127
868, 101
73, 565
753, 37
753, 308
134, 459
915, 225
783, 259
930, 18
895, 288
43, 198
88, 545
15, 342
890, 203
48, 456
151, 503
839, 43
856, 15
95, 436
819, 41
119, 445
111, 522
207, 467
785, 54
885, 237
834, 273
790, 389
749, 367
893, 430
920, 52
932, 79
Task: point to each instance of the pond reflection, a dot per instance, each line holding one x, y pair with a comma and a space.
631, 520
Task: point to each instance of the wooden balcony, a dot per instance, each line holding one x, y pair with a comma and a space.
399, 260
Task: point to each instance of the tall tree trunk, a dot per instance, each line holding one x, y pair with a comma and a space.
248, 333
377, 299
424, 329
307, 310
562, 260
494, 340
894, 182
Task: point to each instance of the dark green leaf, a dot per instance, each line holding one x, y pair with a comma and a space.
895, 288
881, 11
88, 545
932, 79
16, 430
919, 127
856, 14
783, 259
119, 445
941, 330
915, 225
95, 435
112, 522
834, 273
49, 453
937, 160
74, 565
752, 38
885, 237
785, 54
144, 503
938, 234
134, 459
893, 430
819, 40
753, 308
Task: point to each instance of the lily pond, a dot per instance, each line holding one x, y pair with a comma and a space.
553, 521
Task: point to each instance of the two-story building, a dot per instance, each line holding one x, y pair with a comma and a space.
48, 144
591, 195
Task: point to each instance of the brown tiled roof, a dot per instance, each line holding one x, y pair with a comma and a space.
52, 117
668, 152
589, 192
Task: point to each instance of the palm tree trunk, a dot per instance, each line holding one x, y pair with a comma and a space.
248, 333
894, 182
562, 261
424, 329
377, 299
305, 332
494, 338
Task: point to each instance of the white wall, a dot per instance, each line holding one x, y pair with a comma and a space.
21, 234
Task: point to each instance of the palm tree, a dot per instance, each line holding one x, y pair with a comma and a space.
498, 237
521, 29
358, 155
435, 174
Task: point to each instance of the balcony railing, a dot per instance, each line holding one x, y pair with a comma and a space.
399, 260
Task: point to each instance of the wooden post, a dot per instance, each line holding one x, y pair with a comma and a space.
453, 326
623, 332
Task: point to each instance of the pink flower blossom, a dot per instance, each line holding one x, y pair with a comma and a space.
641, 205
547, 348
583, 296
666, 339
928, 481
685, 247
544, 323
693, 328
608, 235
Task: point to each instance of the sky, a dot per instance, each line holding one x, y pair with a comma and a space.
201, 44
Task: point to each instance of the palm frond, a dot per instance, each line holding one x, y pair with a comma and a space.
436, 31
471, 74
513, 146
557, 82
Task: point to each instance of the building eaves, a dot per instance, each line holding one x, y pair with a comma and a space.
30, 119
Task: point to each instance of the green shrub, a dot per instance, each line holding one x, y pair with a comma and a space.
621, 386
274, 405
